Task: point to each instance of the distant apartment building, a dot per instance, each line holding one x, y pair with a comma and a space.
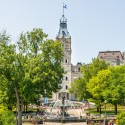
112, 57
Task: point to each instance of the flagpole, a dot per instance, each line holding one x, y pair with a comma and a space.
63, 9
63, 12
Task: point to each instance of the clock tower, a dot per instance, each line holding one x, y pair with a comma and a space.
64, 37
72, 72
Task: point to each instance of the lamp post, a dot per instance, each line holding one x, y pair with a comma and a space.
105, 121
63, 108
88, 106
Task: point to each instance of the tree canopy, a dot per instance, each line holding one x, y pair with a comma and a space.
79, 86
120, 119
30, 68
6, 116
109, 85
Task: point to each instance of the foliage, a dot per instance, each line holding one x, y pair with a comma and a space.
120, 119
34, 70
101, 82
98, 84
109, 85
79, 86
93, 68
44, 62
6, 116
115, 92
6, 55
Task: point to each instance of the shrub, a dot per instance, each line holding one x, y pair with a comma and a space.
6, 116
120, 118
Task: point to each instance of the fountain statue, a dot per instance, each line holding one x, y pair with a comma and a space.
64, 111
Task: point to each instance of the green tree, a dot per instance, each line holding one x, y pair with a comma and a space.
120, 118
32, 70
88, 71
115, 91
93, 68
97, 85
78, 88
109, 85
4, 92
6, 116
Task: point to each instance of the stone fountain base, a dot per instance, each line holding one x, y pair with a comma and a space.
65, 120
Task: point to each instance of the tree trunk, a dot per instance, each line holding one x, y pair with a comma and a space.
26, 106
19, 108
115, 109
100, 109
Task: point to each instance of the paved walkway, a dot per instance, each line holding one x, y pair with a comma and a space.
79, 123
52, 123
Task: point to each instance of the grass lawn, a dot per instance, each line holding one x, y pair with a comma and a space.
110, 110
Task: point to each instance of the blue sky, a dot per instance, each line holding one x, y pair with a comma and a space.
94, 25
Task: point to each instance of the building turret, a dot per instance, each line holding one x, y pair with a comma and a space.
63, 31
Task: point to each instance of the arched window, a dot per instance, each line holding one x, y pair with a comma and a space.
66, 87
63, 33
79, 69
66, 78
66, 61
59, 95
67, 95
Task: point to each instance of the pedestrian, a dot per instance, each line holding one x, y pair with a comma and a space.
110, 123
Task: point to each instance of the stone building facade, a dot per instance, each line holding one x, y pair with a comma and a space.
71, 72
112, 57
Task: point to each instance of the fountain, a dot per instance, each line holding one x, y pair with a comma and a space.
64, 111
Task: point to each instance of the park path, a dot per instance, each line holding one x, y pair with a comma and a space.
79, 123
51, 123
